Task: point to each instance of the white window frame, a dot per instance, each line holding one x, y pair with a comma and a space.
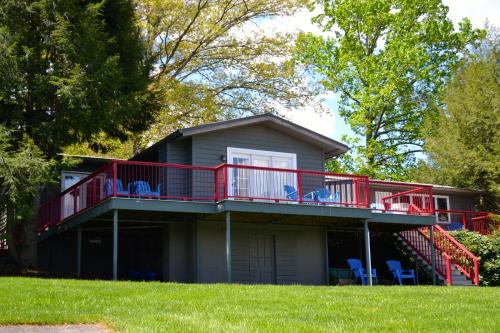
447, 197
233, 150
65, 173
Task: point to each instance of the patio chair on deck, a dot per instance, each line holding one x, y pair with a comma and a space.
399, 274
108, 187
324, 196
292, 194
143, 189
360, 272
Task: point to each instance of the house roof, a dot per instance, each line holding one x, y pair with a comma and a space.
88, 158
330, 147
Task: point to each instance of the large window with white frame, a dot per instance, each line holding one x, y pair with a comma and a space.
259, 182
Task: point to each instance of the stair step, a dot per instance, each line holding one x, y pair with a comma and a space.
458, 278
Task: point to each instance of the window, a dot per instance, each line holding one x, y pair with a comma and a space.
442, 202
260, 183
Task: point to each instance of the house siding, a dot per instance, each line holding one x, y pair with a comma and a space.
299, 253
209, 147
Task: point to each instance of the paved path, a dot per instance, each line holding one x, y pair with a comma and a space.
53, 329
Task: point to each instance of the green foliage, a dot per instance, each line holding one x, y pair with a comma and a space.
388, 60
23, 172
214, 62
71, 69
487, 249
464, 144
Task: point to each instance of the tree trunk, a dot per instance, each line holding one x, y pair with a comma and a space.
28, 256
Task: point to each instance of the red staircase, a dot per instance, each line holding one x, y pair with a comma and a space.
455, 265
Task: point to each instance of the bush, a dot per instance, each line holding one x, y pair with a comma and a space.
487, 249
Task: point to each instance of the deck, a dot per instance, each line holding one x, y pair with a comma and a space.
146, 188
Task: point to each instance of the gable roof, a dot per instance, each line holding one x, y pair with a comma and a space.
330, 147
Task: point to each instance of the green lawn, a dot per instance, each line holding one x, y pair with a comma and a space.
160, 307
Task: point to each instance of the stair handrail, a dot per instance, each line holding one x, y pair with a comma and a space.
452, 252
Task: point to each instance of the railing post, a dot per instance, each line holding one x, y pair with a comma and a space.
299, 186
367, 192
226, 185
464, 220
114, 177
447, 262
433, 254
431, 201
75, 203
94, 190
476, 272
216, 184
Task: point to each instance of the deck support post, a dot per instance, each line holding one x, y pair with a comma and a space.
368, 254
228, 246
115, 245
79, 251
433, 254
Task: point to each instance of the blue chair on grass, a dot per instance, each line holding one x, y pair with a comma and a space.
143, 189
292, 194
142, 275
399, 274
108, 187
360, 272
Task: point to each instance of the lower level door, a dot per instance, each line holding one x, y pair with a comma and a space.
262, 259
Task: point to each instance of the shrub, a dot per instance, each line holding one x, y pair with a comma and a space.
487, 249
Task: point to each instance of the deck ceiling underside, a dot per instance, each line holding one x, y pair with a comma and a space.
138, 218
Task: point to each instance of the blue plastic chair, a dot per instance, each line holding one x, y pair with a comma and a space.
108, 187
292, 194
454, 226
143, 189
360, 272
323, 195
399, 274
142, 275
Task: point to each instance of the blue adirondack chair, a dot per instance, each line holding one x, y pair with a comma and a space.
143, 189
360, 272
399, 274
323, 195
108, 187
454, 226
292, 194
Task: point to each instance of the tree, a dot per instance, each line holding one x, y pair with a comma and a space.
388, 60
463, 146
23, 173
69, 71
212, 61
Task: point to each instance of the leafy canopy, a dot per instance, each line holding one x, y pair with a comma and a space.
463, 145
71, 69
212, 60
388, 61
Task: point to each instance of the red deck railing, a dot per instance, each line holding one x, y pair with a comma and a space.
163, 181
397, 197
448, 251
480, 222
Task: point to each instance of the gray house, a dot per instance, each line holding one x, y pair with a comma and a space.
244, 200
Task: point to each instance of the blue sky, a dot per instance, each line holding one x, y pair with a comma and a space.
329, 123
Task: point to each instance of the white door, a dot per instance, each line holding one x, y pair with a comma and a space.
239, 177
261, 180
260, 183
69, 179
442, 202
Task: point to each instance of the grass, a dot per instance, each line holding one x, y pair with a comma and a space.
161, 307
